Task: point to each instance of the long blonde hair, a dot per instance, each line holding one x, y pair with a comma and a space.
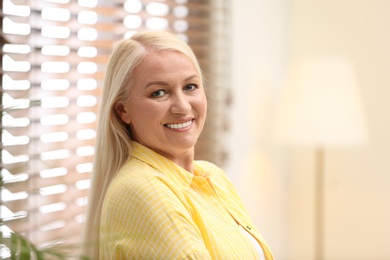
113, 138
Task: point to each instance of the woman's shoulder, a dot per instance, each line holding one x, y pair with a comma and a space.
136, 168
134, 175
140, 187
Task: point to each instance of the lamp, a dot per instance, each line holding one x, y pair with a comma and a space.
320, 107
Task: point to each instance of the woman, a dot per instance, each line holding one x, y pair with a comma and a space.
149, 199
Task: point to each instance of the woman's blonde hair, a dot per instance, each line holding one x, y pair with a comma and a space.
113, 138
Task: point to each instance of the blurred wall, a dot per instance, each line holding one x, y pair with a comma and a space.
357, 180
259, 170
277, 183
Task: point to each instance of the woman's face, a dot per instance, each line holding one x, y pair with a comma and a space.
167, 106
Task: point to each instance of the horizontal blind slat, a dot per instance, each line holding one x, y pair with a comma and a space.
27, 227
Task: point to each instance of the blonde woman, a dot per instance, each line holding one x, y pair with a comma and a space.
149, 199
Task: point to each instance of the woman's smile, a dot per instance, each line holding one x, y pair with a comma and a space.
180, 126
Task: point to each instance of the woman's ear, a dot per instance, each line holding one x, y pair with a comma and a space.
122, 112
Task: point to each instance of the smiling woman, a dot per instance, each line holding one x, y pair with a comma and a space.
149, 198
166, 108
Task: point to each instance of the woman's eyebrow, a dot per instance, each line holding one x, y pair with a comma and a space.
164, 83
156, 83
191, 77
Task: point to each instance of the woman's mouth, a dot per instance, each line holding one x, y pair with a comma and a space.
180, 125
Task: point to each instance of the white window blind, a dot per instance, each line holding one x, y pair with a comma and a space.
54, 55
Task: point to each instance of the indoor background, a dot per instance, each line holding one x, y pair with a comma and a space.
249, 52
277, 181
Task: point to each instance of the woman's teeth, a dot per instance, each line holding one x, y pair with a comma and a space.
179, 126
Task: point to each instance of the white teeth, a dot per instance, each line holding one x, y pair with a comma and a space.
179, 126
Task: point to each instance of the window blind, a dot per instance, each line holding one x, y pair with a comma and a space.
54, 54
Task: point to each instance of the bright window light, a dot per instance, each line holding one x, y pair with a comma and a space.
83, 185
59, 119
85, 151
17, 48
54, 172
6, 195
87, 51
84, 167
81, 201
53, 225
87, 34
10, 27
133, 6
8, 177
55, 50
18, 10
132, 21
87, 67
55, 84
5, 230
52, 207
86, 101
9, 139
9, 121
86, 117
86, 134
155, 23
59, 1
158, 9
55, 102
79, 219
54, 137
55, 66
54, 155
87, 84
10, 159
5, 212
55, 189
87, 3
180, 11
51, 31
55, 14
10, 84
129, 34
18, 66
180, 26
87, 17
9, 102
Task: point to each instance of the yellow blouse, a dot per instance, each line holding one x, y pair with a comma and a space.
154, 209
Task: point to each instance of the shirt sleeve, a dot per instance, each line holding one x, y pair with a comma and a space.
145, 219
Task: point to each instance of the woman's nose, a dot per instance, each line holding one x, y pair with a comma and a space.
180, 103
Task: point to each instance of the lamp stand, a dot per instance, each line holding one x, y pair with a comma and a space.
319, 204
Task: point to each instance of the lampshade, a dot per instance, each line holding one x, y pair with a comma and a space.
321, 104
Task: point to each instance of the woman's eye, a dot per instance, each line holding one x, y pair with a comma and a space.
158, 93
190, 87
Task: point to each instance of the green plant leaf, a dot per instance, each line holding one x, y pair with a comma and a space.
38, 253
25, 249
14, 246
